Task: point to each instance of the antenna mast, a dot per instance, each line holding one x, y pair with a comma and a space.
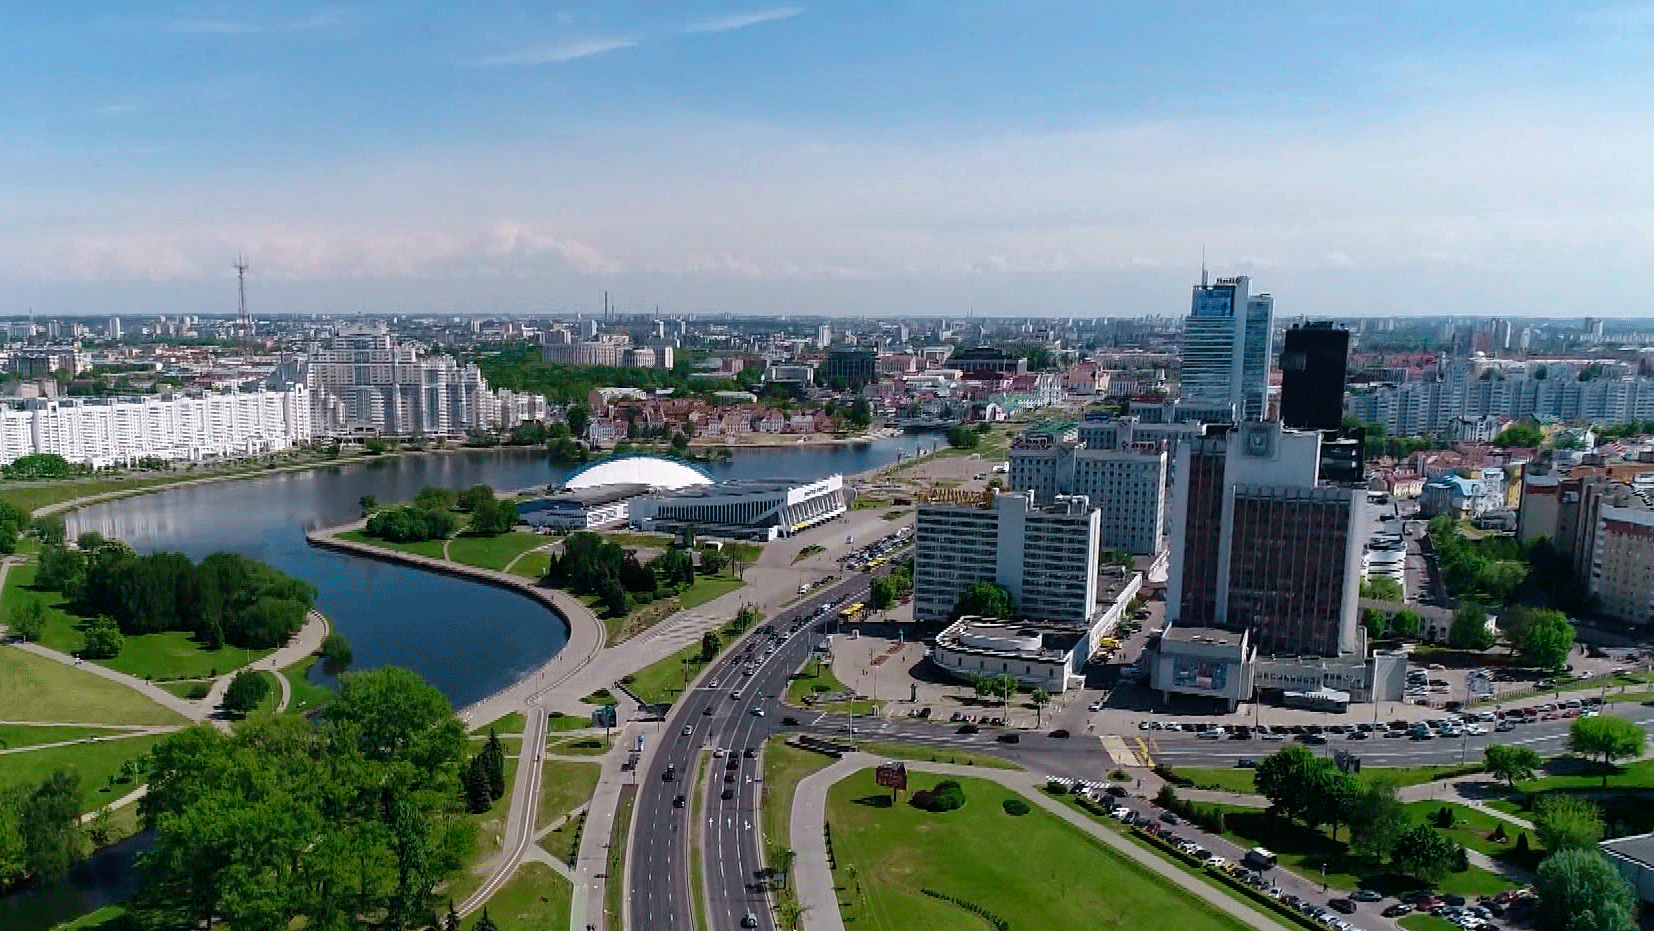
241, 267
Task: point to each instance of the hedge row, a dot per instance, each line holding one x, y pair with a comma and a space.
1256, 895
999, 923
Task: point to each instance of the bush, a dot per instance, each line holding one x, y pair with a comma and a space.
998, 923
1015, 806
948, 795
1055, 787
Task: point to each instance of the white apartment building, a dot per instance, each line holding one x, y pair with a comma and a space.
1119, 467
1045, 556
118, 431
1475, 392
364, 383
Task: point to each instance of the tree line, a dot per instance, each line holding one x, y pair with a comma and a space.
1494, 567
431, 515
225, 599
591, 565
888, 589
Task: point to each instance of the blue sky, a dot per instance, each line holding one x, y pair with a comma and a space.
846, 157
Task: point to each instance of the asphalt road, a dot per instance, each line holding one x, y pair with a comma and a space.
658, 872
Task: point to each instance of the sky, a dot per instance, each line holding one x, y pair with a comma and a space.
1038, 158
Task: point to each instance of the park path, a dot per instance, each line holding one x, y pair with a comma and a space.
137, 731
818, 892
542, 548
304, 643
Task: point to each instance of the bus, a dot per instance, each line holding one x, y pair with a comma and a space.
852, 612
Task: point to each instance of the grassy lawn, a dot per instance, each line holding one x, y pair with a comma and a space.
558, 721
818, 677
614, 893
1303, 851
307, 696
95, 762
1035, 869
565, 787
272, 697
493, 552
512, 723
108, 918
580, 746
784, 768
1426, 923
535, 897
659, 541
186, 688
1232, 779
661, 682
13, 736
169, 655
431, 549
697, 879
707, 588
1471, 828
936, 755
532, 566
1574, 773
34, 688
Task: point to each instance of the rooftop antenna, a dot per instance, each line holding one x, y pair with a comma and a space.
241, 267
1203, 265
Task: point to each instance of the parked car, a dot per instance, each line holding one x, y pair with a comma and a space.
1342, 905
1060, 733
1398, 910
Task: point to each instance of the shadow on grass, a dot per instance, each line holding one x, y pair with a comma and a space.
875, 801
1315, 848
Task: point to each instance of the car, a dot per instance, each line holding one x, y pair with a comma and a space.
1397, 910
968, 729
749, 920
1145, 725
733, 763
678, 801
1342, 905
1170, 818
1313, 739
1365, 895
757, 712
687, 729
727, 794
1356, 735
1059, 733
1010, 738
732, 777
1246, 762
750, 752
670, 773
735, 694
717, 753
1210, 735
1272, 735
705, 711
713, 684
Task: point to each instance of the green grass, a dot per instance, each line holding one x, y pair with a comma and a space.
784, 768
1574, 773
565, 787
614, 893
14, 736
1426, 923
1231, 779
1035, 870
94, 762
936, 755
594, 745
33, 497
661, 682
308, 697
272, 697
599, 697
697, 879
108, 918
512, 723
707, 588
558, 721
430, 549
1304, 850
659, 541
532, 566
807, 552
168, 655
493, 552
1471, 829
34, 688
185, 688
818, 677
534, 897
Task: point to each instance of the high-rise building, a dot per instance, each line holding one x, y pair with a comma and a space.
1045, 556
1314, 364
1227, 345
824, 335
114, 328
1118, 467
1260, 545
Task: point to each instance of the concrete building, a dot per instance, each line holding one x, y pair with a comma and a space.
1633, 857
180, 428
1227, 347
854, 367
1038, 655
1622, 562
581, 508
1115, 463
1045, 556
755, 509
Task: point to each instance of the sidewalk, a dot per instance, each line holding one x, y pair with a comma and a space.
817, 892
307, 641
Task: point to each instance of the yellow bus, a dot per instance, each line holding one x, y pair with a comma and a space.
852, 612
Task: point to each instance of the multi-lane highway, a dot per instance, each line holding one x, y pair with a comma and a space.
707, 719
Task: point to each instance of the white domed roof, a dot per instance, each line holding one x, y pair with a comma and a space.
654, 471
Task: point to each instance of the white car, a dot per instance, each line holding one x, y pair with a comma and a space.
713, 684
688, 729
1476, 730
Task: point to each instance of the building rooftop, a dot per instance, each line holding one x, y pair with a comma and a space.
735, 488
1638, 847
1216, 636
652, 471
574, 498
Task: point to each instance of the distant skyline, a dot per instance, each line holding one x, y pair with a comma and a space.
925, 157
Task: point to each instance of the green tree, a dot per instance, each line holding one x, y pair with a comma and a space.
861, 413
49, 823
103, 640
1406, 624
1381, 588
1522, 433
485, 923
493, 754
1424, 853
963, 437
1469, 630
336, 654
1567, 822
101, 829
367, 503
1512, 764
1502, 579
985, 598
710, 645
781, 862
27, 618
450, 921
51, 530
1040, 698
1331, 796
1282, 777
1607, 738
474, 497
578, 416
1375, 621
1544, 638
1579, 890
246, 690
493, 517
474, 783
1377, 819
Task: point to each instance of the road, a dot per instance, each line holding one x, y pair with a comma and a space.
525, 805
658, 869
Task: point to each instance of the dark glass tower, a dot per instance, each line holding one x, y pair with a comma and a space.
1313, 367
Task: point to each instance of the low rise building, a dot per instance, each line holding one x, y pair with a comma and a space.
1633, 857
581, 509
752, 509
1038, 655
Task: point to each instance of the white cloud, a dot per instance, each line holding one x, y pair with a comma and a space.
743, 20
555, 52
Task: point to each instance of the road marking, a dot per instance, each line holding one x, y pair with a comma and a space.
1117, 751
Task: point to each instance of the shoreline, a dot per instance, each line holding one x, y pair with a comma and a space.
586, 635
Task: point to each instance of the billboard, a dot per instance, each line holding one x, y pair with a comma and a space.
605, 716
891, 776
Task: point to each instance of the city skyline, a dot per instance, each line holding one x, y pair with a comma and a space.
844, 159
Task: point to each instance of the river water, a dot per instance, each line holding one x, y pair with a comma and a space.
467, 639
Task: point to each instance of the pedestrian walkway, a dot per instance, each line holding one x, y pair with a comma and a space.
304, 643
818, 893
120, 734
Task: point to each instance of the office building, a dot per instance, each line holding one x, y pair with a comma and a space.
1228, 340
1115, 463
1622, 562
1045, 556
987, 362
850, 367
1314, 361
113, 330
179, 428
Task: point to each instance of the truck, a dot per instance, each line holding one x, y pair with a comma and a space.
1259, 859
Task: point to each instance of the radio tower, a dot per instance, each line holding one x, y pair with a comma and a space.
241, 267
